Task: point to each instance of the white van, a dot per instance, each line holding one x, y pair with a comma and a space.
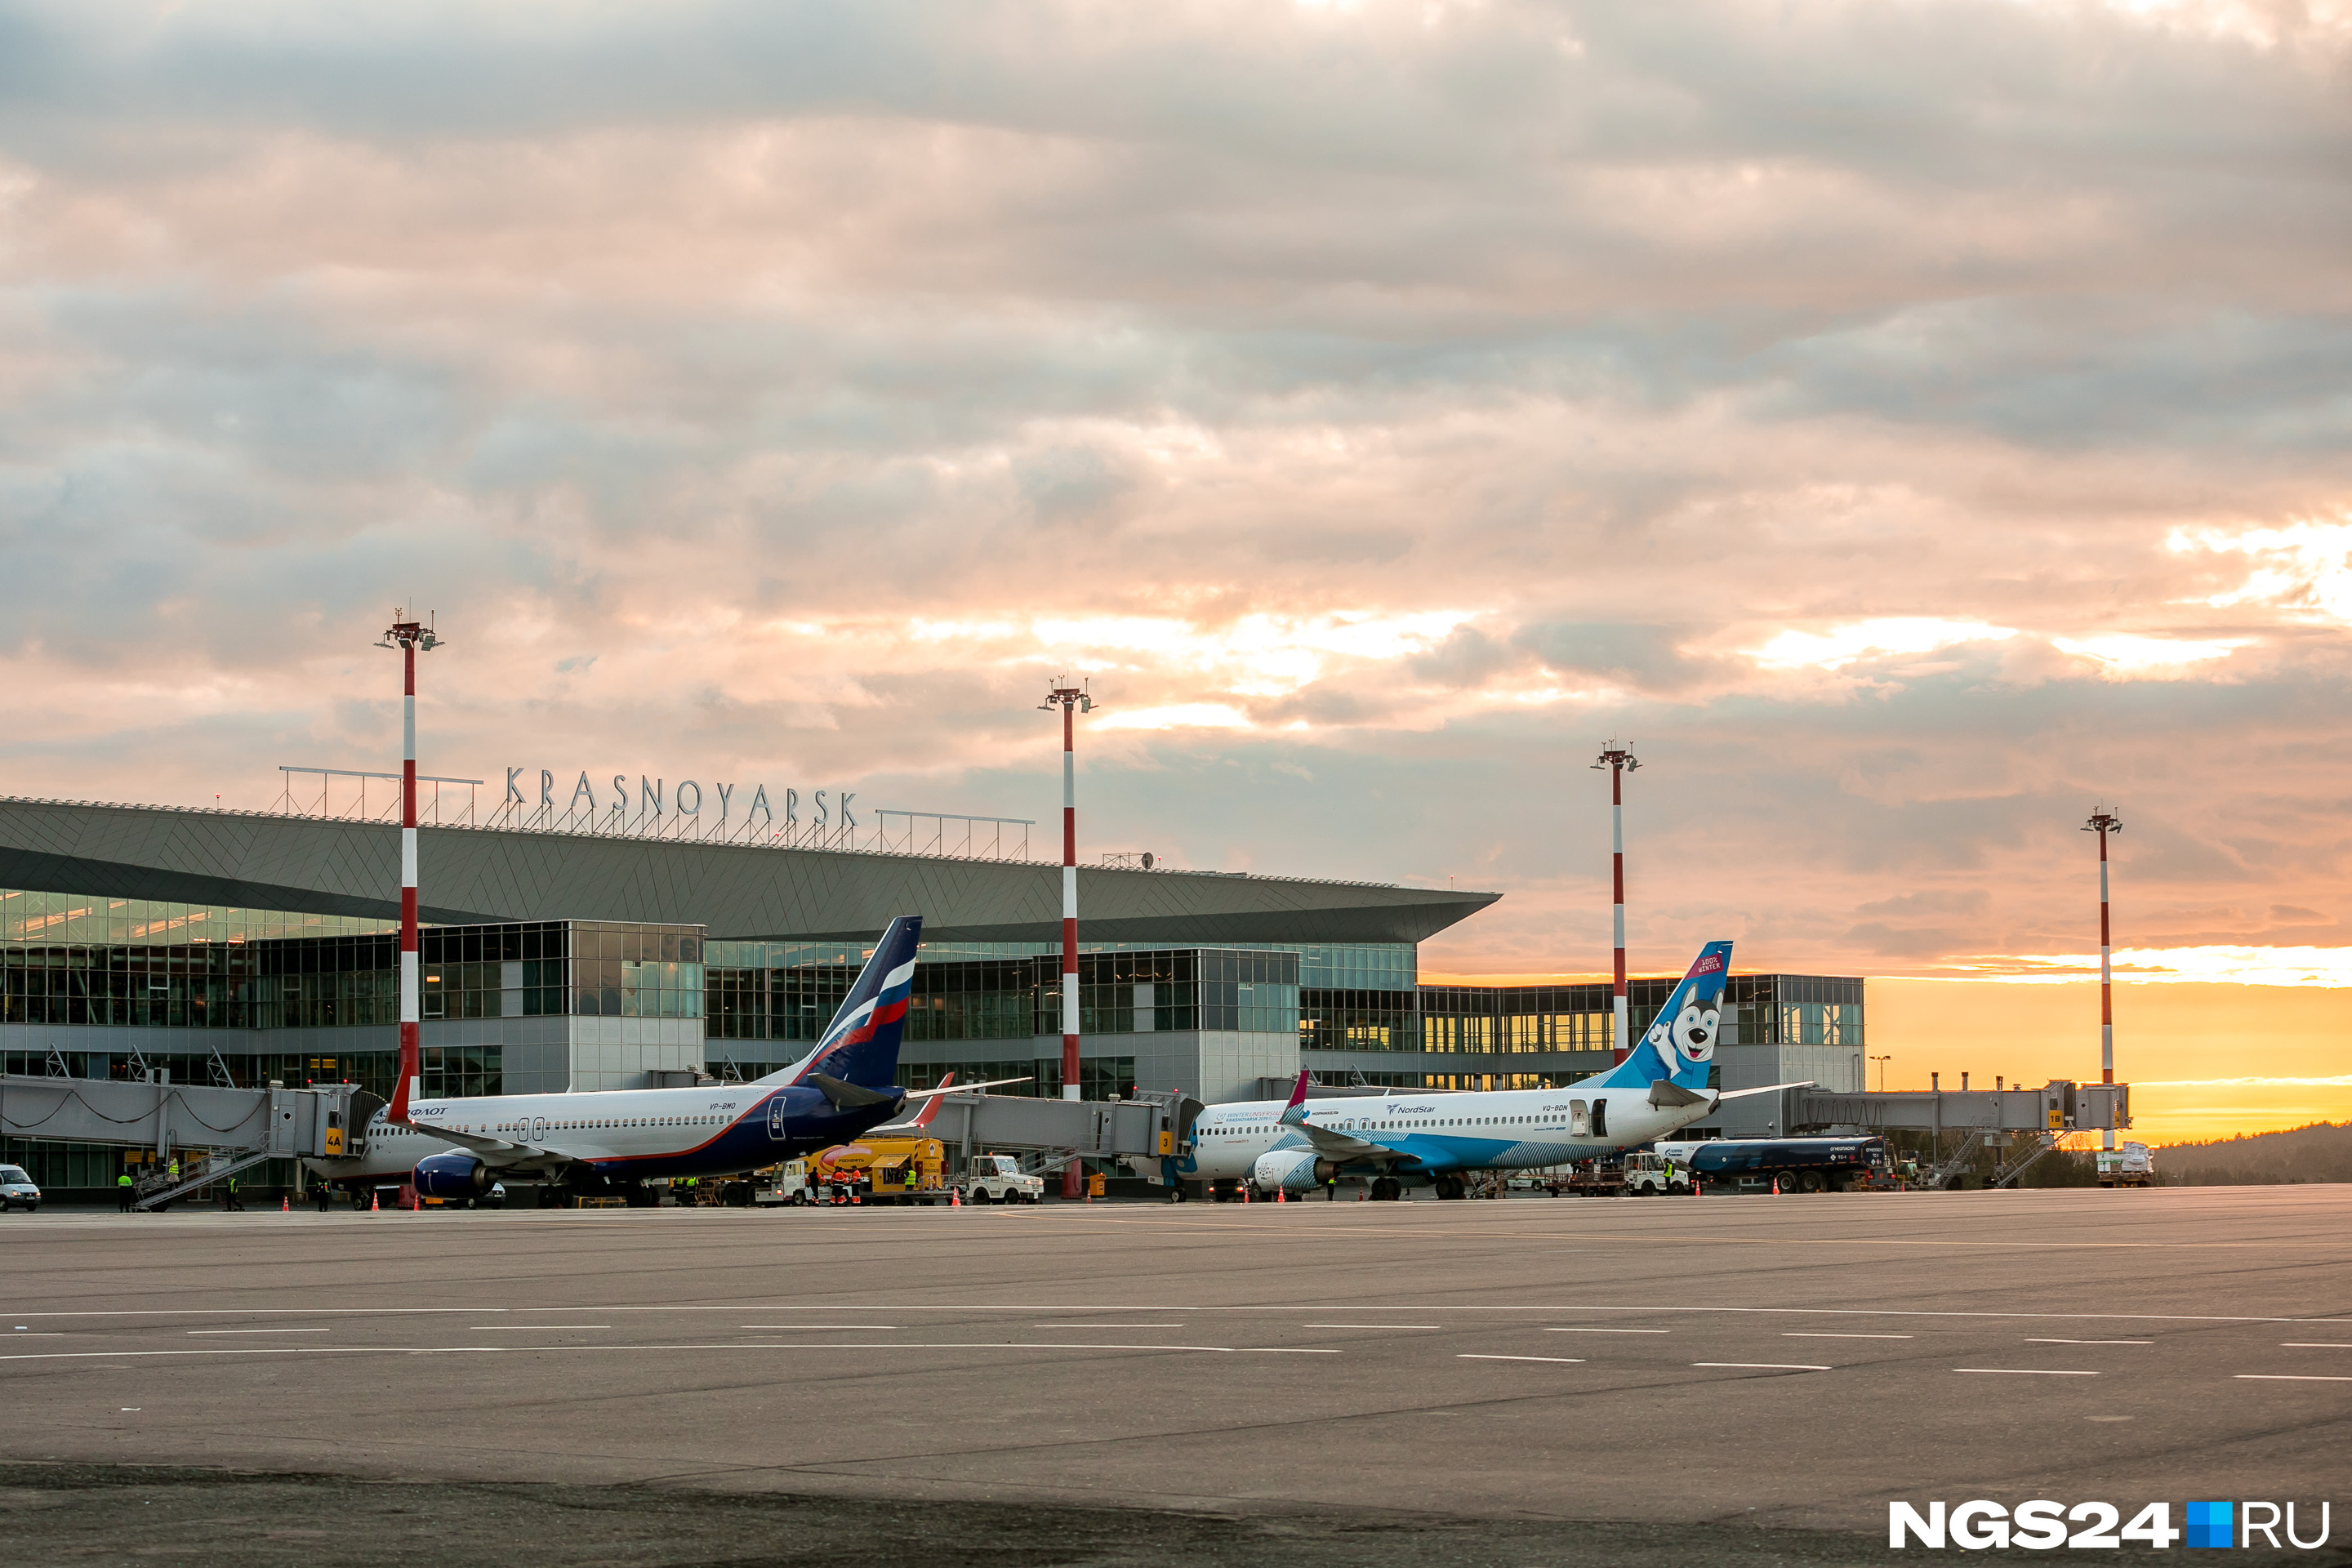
17, 1191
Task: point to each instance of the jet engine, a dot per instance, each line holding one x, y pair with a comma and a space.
451, 1176
1291, 1170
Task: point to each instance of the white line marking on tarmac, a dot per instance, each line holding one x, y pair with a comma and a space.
484, 1329
2090, 1341
260, 1330
1764, 1365
1555, 1360
1609, 1330
2027, 1371
1801, 1334
2313, 1345
737, 1345
2287, 1377
1367, 1325
804, 1328
1120, 1325
1645, 1308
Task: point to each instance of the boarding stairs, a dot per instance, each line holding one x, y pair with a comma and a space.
1952, 1169
2016, 1165
153, 1191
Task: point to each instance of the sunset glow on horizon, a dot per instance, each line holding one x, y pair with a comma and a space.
1905, 428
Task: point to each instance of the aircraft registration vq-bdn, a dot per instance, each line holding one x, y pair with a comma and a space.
1401, 1137
611, 1143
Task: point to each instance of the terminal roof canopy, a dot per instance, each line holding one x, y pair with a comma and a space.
477, 875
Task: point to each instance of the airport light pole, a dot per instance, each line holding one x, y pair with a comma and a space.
1882, 1062
1619, 762
2104, 822
409, 637
1071, 700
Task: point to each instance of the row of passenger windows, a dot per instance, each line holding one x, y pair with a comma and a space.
520, 1127
1354, 1125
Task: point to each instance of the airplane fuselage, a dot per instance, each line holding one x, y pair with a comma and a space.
623, 1135
1498, 1130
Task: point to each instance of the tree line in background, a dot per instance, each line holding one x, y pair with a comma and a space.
2319, 1153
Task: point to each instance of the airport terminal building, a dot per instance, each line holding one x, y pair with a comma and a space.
246, 947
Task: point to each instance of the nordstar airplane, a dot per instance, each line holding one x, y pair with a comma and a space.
1401, 1137
610, 1143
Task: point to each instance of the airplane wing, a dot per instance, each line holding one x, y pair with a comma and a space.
496, 1152
962, 1087
1768, 1089
921, 1122
1342, 1146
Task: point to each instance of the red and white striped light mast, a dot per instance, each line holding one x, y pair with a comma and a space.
2104, 822
1619, 762
1070, 699
409, 637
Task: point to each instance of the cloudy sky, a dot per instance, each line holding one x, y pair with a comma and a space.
1906, 423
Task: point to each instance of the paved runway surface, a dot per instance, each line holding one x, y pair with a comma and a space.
1754, 1364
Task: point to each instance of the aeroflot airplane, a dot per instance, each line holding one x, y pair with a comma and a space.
1405, 1137
610, 1143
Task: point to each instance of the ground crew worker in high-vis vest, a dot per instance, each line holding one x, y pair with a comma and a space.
122, 1190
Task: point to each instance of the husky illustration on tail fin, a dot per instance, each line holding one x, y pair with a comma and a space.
1679, 1046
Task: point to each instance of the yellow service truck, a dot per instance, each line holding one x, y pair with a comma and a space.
874, 1170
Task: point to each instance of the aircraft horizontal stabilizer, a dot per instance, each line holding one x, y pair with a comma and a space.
847, 1095
1665, 1093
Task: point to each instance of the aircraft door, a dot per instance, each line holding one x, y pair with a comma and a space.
776, 1118
539, 1129
1579, 1125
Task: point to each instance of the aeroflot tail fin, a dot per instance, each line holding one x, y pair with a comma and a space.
861, 1045
1679, 1046
1295, 1111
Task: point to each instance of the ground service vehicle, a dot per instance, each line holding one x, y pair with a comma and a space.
1799, 1164
1593, 1179
995, 1179
882, 1166
787, 1183
17, 1191
2133, 1165
1648, 1175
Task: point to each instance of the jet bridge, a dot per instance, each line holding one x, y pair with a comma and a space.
1987, 1118
239, 1128
2058, 1106
1156, 1124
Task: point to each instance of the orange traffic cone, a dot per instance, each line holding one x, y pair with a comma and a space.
955, 1197
375, 1204
1280, 1196
1776, 1186
285, 1204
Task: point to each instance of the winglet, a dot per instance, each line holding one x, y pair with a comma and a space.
1295, 1111
931, 1106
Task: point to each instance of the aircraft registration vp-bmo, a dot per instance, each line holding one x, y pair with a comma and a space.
1401, 1137
611, 1143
